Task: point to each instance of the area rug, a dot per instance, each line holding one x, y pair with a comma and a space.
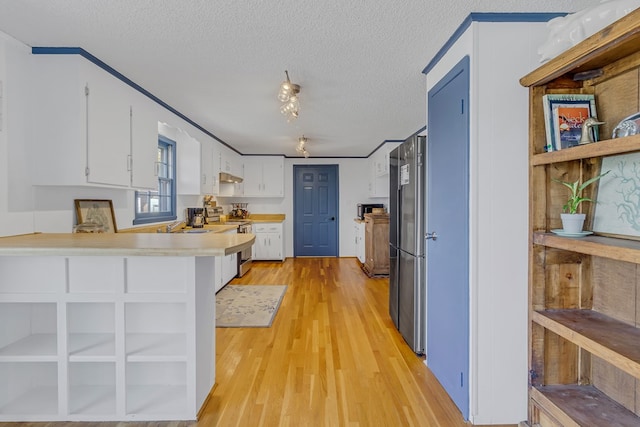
248, 306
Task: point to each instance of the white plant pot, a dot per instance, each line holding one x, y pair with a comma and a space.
572, 223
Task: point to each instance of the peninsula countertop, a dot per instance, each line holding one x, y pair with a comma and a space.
131, 244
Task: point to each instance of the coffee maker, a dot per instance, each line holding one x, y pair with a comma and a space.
194, 217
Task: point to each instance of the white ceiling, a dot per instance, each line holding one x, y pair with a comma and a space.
221, 62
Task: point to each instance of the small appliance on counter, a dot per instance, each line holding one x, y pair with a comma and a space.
194, 217
212, 211
365, 208
212, 214
239, 211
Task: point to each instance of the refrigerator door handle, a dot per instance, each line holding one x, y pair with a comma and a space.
431, 235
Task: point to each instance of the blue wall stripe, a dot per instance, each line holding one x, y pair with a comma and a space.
43, 50
487, 17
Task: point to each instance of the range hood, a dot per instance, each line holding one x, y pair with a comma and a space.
227, 177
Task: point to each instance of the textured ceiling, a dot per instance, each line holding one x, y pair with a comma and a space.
220, 62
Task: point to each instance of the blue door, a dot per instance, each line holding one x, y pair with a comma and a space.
448, 216
315, 210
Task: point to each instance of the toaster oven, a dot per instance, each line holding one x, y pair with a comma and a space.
365, 208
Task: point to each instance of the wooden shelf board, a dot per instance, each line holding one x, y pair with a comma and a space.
607, 338
606, 247
607, 147
614, 42
575, 405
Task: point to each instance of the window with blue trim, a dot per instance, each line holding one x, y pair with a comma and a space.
160, 204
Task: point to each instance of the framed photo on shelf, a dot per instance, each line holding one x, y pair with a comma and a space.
98, 212
618, 200
564, 115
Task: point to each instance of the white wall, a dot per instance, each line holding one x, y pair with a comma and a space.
25, 208
15, 192
353, 181
500, 53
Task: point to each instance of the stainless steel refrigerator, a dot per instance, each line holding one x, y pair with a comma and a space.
407, 285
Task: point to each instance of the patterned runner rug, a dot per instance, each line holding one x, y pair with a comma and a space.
248, 306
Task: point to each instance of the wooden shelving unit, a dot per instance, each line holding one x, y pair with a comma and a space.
584, 294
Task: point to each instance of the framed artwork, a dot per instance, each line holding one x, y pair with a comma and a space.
617, 209
97, 212
564, 115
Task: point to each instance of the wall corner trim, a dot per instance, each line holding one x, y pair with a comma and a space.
488, 17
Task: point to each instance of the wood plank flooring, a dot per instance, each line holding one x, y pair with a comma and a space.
331, 358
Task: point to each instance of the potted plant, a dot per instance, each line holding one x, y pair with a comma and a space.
572, 221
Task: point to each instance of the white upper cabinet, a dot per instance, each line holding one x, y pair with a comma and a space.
108, 129
379, 171
188, 158
263, 176
144, 142
230, 162
85, 122
210, 168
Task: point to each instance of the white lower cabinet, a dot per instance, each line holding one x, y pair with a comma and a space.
118, 342
269, 244
226, 267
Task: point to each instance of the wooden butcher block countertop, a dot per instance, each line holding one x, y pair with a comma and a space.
136, 244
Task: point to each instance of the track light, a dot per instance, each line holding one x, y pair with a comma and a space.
288, 94
301, 148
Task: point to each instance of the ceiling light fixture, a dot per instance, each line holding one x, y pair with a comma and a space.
289, 96
301, 146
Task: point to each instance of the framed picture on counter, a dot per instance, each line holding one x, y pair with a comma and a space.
99, 212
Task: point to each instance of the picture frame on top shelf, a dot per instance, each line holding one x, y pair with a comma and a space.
617, 204
95, 211
564, 115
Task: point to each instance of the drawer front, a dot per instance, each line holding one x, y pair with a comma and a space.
267, 228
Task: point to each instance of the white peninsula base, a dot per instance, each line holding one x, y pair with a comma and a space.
87, 338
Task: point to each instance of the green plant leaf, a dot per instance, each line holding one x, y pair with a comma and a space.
575, 188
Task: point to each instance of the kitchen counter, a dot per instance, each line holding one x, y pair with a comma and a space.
257, 218
131, 327
135, 244
215, 228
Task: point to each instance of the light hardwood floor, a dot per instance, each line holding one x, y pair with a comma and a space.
332, 357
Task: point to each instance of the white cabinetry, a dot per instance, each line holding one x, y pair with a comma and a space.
108, 128
92, 124
359, 228
144, 141
226, 267
230, 162
210, 168
106, 337
269, 244
263, 176
188, 167
379, 171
